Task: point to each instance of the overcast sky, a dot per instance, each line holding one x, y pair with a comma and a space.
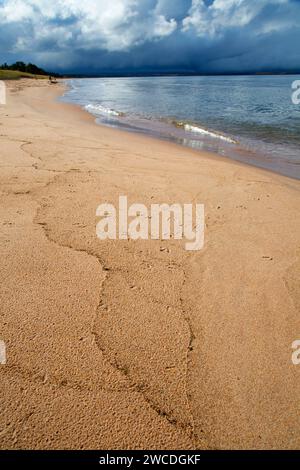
152, 35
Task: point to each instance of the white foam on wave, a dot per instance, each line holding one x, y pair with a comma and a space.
98, 109
201, 130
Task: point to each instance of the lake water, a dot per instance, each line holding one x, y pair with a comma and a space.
248, 118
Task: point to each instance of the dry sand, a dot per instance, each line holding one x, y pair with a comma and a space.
130, 345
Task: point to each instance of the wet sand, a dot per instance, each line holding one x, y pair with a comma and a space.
141, 344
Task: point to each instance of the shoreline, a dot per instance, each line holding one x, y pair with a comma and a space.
166, 131
208, 154
140, 344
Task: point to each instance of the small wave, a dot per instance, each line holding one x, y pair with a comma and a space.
200, 130
98, 109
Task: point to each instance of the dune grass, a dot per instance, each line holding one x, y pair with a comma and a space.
15, 75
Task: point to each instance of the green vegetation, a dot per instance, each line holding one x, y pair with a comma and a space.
14, 75
22, 70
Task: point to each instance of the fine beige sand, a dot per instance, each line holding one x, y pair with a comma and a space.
141, 344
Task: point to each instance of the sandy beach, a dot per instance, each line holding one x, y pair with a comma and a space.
140, 344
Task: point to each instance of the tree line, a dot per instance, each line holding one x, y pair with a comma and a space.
28, 68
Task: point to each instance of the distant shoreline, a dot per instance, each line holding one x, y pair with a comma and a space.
177, 74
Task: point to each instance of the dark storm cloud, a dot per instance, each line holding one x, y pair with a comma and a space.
152, 35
